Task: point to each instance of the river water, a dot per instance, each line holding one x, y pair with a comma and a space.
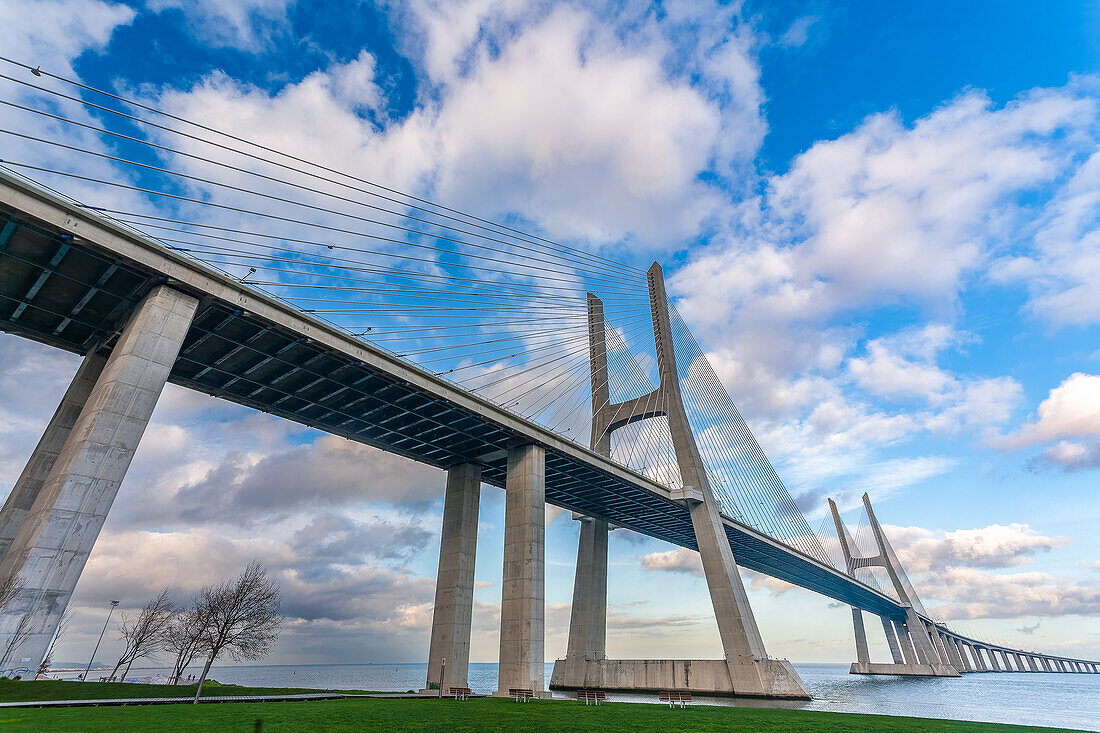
1058, 700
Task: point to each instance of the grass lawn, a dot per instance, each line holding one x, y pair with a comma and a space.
13, 691
473, 715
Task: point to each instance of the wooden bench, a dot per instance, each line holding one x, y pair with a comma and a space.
675, 698
521, 694
595, 696
460, 693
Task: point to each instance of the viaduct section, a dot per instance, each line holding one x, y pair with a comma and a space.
141, 315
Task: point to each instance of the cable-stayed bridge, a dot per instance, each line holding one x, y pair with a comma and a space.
180, 253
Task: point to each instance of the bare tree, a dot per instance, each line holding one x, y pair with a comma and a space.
9, 586
62, 627
242, 617
143, 633
186, 638
22, 631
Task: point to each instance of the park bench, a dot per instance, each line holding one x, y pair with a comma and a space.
460, 693
595, 696
675, 698
521, 694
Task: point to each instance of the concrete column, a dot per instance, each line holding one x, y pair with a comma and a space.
993, 663
907, 648
977, 654
523, 606
588, 616
952, 651
29, 483
862, 654
961, 651
454, 581
892, 640
1020, 665
53, 543
1004, 658
1033, 663
919, 635
937, 644
1046, 664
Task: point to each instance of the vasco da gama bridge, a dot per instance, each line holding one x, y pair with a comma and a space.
501, 357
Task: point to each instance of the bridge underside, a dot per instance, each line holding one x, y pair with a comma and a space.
76, 295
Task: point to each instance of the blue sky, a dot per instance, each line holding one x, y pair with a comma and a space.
880, 219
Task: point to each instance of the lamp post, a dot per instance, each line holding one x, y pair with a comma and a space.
89, 669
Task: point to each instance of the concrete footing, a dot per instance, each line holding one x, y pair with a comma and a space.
766, 678
905, 670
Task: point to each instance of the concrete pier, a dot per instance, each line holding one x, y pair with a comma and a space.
892, 640
960, 649
979, 662
26, 488
750, 671
53, 543
522, 606
588, 615
907, 649
454, 584
862, 655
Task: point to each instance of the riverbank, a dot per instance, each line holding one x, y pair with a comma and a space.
485, 714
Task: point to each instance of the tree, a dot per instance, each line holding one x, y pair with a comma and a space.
62, 626
9, 586
242, 617
22, 631
143, 634
185, 637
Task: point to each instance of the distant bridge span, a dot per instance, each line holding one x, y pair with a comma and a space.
73, 280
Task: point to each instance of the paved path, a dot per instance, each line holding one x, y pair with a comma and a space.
216, 698
169, 700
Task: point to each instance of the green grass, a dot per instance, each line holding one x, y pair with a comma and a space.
13, 691
473, 715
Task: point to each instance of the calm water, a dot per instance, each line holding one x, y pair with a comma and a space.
1062, 700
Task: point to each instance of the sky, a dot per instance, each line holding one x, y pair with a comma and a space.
880, 220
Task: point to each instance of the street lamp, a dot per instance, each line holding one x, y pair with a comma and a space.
89, 669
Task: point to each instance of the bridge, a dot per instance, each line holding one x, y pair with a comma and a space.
633, 430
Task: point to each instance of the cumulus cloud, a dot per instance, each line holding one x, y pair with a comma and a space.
678, 560
973, 593
53, 33
894, 212
245, 488
996, 546
1069, 415
960, 574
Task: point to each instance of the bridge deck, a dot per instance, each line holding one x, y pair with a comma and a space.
69, 278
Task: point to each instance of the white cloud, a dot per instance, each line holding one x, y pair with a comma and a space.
586, 137
246, 24
799, 31
973, 593
903, 365
996, 546
52, 33
678, 560
959, 573
1069, 415
1063, 266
